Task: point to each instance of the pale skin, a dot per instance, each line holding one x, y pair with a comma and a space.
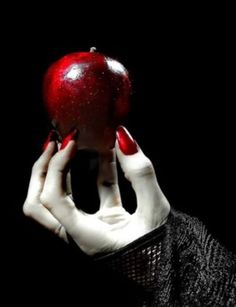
50, 202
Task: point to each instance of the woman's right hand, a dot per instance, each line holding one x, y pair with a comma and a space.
49, 200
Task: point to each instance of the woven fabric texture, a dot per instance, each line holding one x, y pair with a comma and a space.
179, 264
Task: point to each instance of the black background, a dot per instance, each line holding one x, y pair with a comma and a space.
180, 62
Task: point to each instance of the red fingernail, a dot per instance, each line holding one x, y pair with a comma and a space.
71, 136
126, 143
52, 136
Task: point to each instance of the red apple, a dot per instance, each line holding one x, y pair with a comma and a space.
88, 91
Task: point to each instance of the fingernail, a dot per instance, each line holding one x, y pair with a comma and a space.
126, 143
71, 136
52, 136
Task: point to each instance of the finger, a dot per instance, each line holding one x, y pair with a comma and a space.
55, 182
54, 195
32, 207
68, 184
107, 181
83, 228
39, 171
41, 215
68, 178
152, 205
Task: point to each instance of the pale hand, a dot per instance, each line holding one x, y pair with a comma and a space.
49, 200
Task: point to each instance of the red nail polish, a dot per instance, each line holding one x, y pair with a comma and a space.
126, 143
52, 136
71, 136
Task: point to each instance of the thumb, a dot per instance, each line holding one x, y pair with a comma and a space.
138, 169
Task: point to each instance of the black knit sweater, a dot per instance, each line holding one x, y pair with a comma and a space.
178, 264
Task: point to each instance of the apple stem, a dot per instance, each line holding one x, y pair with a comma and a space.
93, 49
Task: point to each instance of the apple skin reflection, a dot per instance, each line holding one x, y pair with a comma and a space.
88, 91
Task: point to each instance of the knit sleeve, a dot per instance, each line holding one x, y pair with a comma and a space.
178, 264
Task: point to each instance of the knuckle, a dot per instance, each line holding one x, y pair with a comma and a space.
28, 209
143, 168
55, 162
53, 159
59, 231
49, 200
46, 200
147, 166
38, 167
